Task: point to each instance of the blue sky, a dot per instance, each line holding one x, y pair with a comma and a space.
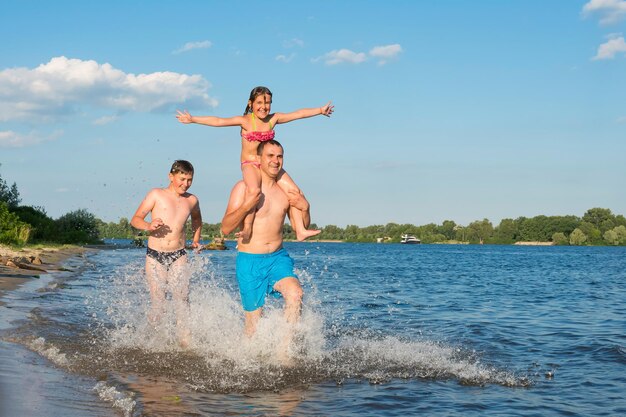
443, 109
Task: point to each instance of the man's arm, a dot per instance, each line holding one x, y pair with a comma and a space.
238, 207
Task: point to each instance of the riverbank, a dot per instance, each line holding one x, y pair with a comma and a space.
29, 384
30, 262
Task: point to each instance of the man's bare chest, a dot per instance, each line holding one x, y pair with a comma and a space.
273, 203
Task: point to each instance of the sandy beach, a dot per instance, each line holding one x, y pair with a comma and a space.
51, 259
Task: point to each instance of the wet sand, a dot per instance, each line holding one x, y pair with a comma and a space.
52, 259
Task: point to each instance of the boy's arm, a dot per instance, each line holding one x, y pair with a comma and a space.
186, 118
238, 207
144, 208
326, 110
196, 224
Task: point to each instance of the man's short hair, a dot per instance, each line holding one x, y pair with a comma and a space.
259, 149
182, 167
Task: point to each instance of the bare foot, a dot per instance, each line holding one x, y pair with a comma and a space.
284, 359
305, 234
184, 339
282, 353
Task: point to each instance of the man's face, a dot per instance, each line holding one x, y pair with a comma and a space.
181, 182
272, 160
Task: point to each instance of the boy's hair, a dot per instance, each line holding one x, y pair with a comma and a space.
256, 91
182, 167
259, 149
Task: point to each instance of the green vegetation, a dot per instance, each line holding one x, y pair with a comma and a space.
598, 226
13, 231
20, 225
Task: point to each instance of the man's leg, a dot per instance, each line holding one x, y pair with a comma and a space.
252, 319
291, 291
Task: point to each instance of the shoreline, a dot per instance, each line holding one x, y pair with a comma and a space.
30, 384
52, 259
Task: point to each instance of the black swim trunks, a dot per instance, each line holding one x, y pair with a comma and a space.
166, 258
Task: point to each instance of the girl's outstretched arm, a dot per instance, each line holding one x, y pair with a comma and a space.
186, 118
325, 110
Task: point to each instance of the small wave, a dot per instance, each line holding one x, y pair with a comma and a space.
121, 400
612, 352
48, 351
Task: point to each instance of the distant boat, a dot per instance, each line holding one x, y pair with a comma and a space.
410, 239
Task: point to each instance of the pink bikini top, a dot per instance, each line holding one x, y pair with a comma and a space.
256, 136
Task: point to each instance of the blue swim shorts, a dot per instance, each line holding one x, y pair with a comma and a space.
257, 274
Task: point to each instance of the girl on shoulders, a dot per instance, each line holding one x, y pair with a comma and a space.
257, 125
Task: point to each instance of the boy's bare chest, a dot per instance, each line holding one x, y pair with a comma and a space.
173, 207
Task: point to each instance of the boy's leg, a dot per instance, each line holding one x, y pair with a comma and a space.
156, 275
178, 278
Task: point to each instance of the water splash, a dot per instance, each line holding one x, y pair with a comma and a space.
221, 359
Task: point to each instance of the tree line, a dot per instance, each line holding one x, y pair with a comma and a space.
598, 226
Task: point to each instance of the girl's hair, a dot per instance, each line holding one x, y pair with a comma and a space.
182, 167
256, 91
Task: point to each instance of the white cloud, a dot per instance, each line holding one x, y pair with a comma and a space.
63, 86
11, 139
611, 11
193, 45
284, 58
609, 49
387, 51
621, 119
104, 120
384, 53
293, 42
342, 56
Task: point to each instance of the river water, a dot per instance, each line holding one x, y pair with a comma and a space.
387, 330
